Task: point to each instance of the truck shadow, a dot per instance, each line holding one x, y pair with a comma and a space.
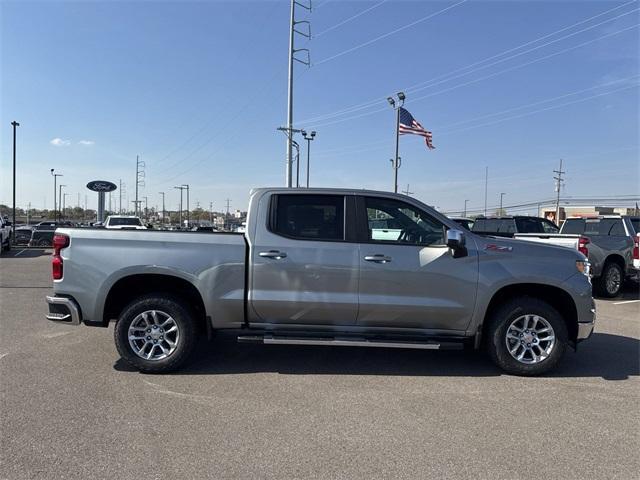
611, 357
26, 252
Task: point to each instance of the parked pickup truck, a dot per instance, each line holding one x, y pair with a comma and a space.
611, 242
311, 269
509, 226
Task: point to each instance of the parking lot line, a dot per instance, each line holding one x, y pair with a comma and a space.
626, 301
19, 252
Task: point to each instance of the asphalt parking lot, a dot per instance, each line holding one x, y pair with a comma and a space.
71, 409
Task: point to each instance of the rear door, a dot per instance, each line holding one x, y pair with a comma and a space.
412, 281
305, 261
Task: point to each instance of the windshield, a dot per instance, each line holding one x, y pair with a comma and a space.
119, 221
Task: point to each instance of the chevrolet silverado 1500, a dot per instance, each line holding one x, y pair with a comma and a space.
319, 267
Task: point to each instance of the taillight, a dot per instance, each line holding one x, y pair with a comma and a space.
636, 247
582, 245
59, 242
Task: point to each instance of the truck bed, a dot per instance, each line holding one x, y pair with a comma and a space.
213, 262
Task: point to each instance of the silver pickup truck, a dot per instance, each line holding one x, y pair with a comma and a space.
316, 268
610, 242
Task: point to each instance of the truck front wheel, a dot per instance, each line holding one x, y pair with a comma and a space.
155, 333
526, 336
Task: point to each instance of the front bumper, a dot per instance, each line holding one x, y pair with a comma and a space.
64, 310
585, 329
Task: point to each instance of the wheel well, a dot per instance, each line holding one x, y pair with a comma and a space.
556, 297
616, 259
127, 289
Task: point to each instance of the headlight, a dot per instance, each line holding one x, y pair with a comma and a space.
584, 267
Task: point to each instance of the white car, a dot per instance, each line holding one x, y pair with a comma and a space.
123, 222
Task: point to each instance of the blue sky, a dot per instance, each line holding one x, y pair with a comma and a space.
197, 89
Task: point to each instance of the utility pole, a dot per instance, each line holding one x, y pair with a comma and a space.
559, 184
13, 228
211, 212
181, 188
502, 194
396, 162
486, 184
308, 138
163, 211
55, 192
465, 208
292, 57
140, 175
146, 208
407, 192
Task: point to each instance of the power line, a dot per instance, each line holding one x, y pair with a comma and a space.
412, 88
349, 19
415, 99
552, 107
388, 34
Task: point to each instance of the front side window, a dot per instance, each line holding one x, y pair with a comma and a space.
392, 221
310, 217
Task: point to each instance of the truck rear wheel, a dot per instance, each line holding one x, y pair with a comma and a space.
155, 333
610, 282
526, 336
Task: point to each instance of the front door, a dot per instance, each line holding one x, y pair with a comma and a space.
408, 277
304, 269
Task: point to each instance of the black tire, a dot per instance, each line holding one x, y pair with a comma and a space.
181, 315
496, 336
606, 286
44, 243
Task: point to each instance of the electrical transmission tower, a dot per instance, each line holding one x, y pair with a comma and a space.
559, 185
407, 192
289, 130
140, 175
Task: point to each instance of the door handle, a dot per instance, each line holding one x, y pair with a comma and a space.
377, 258
273, 254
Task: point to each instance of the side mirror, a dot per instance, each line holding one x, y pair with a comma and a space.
457, 243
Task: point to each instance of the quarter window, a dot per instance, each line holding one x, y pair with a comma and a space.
310, 217
392, 221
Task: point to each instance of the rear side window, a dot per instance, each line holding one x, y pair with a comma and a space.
309, 217
573, 226
636, 224
611, 227
494, 225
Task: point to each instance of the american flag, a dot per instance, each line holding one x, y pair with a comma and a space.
409, 125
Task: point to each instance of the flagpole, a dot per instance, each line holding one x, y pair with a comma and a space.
396, 161
395, 164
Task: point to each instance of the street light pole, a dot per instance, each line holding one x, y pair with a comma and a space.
308, 139
397, 105
60, 199
163, 212
13, 229
188, 214
296, 145
502, 194
55, 191
180, 214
